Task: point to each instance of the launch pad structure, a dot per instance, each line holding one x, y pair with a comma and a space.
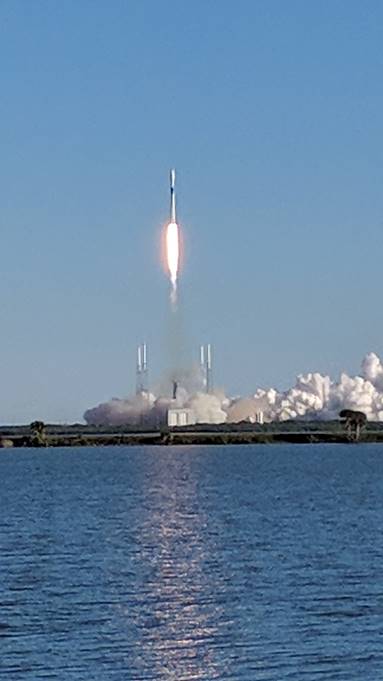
205, 351
205, 369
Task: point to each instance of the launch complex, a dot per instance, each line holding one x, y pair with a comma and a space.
177, 415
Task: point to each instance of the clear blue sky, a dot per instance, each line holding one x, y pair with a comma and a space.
270, 110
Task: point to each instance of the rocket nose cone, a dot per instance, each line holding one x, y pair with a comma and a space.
172, 178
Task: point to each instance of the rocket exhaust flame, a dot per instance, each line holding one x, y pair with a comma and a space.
172, 254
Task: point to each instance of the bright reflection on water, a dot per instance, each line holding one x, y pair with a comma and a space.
180, 616
244, 563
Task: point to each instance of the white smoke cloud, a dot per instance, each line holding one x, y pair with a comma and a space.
118, 411
313, 396
319, 397
372, 370
207, 408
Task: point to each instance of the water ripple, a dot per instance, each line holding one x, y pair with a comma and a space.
192, 564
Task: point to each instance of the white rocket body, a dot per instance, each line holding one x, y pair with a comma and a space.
173, 217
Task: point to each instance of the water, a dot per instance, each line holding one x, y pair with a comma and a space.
243, 563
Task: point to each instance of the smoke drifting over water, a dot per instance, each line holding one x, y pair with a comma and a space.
313, 396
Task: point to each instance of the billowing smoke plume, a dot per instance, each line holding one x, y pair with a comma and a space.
313, 396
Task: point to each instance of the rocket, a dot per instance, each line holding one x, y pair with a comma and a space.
173, 196
172, 241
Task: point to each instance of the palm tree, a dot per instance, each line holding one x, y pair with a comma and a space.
353, 422
38, 434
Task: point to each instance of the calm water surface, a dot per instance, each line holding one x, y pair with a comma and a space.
192, 563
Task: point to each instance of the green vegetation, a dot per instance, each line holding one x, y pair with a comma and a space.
351, 427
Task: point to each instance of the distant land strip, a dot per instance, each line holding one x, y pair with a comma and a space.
296, 432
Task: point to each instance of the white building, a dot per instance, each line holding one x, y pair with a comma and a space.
181, 417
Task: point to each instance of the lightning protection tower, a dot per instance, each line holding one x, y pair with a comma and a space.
142, 383
206, 366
